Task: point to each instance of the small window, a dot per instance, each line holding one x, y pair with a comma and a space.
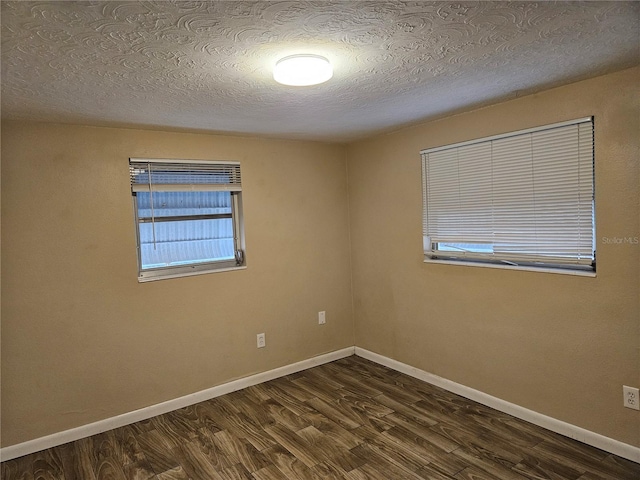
188, 216
521, 199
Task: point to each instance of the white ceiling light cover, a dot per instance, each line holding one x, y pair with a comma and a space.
302, 70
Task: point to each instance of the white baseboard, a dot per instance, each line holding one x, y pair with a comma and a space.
563, 428
60, 438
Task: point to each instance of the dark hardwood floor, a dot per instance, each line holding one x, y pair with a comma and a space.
350, 419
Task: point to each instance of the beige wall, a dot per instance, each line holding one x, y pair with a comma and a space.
557, 344
82, 340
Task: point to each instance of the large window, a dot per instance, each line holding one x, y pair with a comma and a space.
521, 199
188, 217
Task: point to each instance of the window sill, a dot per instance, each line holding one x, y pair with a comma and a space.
189, 274
579, 273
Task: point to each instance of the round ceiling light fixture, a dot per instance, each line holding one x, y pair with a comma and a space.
302, 70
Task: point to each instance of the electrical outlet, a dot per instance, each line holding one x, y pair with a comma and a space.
631, 397
262, 342
321, 318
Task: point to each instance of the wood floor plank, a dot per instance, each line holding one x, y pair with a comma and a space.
9, 469
473, 473
195, 462
107, 457
173, 429
142, 426
538, 471
331, 429
128, 447
323, 376
158, 451
332, 412
516, 434
444, 400
174, 474
245, 426
106, 445
495, 469
552, 437
249, 411
416, 447
295, 444
473, 436
207, 443
591, 476
360, 407
270, 473
245, 421
139, 471
412, 412
547, 466
317, 389
293, 390
18, 468
109, 469
373, 427
240, 451
584, 460
626, 469
350, 419
280, 415
429, 435
47, 466
333, 454
217, 413
381, 469
443, 406
286, 400
394, 390
366, 368
349, 362
255, 393
254, 434
431, 472
351, 382
357, 474
287, 463
237, 472
325, 471
76, 460
380, 448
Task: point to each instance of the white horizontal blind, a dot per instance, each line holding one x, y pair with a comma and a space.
189, 175
525, 197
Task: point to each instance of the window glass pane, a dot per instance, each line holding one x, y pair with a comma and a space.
186, 242
189, 241
465, 247
170, 204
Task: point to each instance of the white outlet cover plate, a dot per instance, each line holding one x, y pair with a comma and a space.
631, 397
321, 318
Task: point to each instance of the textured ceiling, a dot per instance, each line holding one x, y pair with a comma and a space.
207, 65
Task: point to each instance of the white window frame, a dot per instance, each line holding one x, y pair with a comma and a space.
189, 167
472, 200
